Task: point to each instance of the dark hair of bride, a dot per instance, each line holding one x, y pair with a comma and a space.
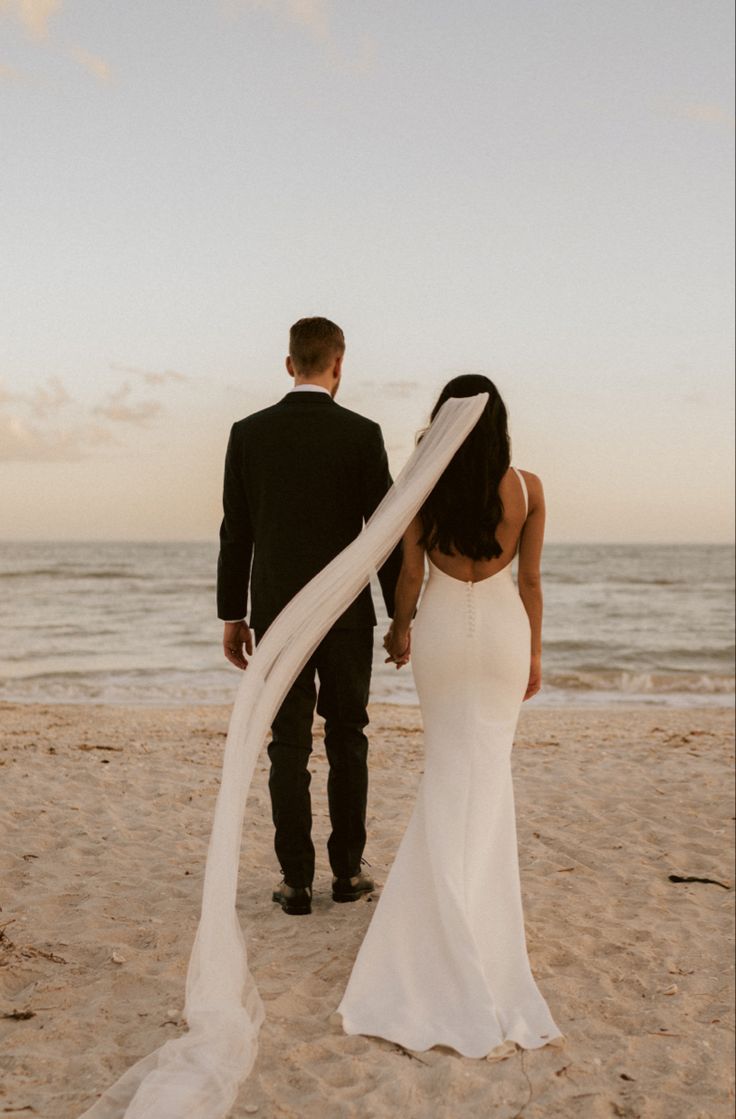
464, 509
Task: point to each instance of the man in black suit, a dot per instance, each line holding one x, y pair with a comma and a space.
301, 477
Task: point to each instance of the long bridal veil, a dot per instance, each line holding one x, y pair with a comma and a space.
197, 1076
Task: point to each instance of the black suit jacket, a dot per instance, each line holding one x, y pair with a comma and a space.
301, 477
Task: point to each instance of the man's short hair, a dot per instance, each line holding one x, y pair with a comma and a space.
314, 344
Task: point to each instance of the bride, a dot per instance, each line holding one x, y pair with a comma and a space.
444, 960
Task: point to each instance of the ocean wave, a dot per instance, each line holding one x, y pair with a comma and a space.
627, 683
62, 572
163, 588
600, 579
142, 687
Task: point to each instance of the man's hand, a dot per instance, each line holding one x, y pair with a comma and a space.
397, 644
236, 636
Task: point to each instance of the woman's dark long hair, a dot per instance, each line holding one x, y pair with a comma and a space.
464, 509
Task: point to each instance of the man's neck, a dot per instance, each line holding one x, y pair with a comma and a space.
325, 381
310, 386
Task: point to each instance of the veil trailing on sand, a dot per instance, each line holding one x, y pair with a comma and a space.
197, 1076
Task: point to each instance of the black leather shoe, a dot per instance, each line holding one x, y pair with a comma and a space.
351, 889
296, 900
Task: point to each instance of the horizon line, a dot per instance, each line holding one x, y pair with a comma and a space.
214, 540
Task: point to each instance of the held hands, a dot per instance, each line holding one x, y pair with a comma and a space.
397, 644
236, 636
535, 676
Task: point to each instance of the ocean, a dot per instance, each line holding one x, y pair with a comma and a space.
136, 624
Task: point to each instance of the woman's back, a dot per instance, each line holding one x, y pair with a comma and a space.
513, 492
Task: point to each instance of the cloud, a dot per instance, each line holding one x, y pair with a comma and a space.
315, 19
5, 396
21, 441
91, 62
11, 74
701, 112
48, 398
399, 388
120, 409
387, 388
48, 425
32, 15
44, 399
30, 430
709, 113
312, 15
150, 376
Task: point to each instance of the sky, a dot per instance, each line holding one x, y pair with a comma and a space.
537, 190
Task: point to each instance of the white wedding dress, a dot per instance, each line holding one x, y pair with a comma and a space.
444, 961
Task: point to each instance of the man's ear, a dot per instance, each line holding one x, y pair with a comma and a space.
337, 367
289, 366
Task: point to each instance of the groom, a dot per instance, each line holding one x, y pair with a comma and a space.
301, 477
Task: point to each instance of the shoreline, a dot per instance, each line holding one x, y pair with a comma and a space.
109, 810
556, 707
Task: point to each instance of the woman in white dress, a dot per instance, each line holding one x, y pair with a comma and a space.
444, 961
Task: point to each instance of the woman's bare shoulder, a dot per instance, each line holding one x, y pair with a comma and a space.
533, 481
534, 489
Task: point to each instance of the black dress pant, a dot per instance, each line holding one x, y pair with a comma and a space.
342, 663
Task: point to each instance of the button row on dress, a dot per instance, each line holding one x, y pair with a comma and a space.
470, 607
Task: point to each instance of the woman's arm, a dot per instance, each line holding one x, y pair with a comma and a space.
408, 588
530, 576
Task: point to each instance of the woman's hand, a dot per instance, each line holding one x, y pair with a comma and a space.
535, 676
397, 644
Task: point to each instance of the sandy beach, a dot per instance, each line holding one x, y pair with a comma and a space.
106, 814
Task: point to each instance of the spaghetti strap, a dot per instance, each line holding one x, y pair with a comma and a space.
520, 476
